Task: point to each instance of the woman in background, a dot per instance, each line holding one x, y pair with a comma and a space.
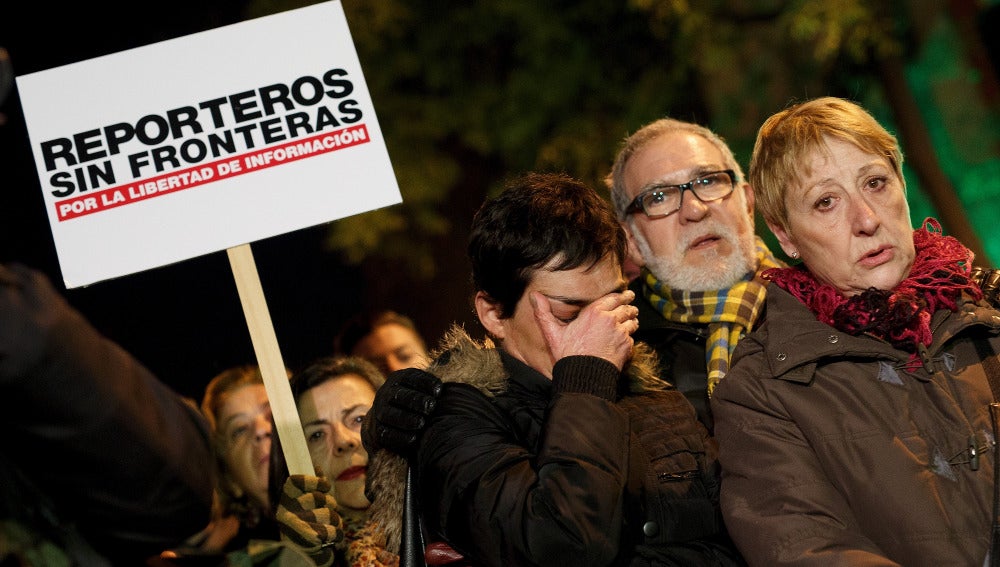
327, 514
236, 406
387, 339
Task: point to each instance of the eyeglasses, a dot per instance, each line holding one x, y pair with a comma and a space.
664, 200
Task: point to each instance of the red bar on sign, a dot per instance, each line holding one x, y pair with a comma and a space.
229, 167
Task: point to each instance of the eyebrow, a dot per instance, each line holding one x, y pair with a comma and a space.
229, 420
351, 409
323, 421
577, 302
862, 171
248, 414
694, 174
320, 421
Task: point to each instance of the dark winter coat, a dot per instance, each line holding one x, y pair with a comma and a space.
834, 454
590, 468
680, 348
101, 462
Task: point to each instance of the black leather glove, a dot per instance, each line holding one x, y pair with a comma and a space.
400, 410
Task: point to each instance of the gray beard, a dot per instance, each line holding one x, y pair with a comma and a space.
722, 272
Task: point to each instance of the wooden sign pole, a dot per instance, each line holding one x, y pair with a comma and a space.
272, 368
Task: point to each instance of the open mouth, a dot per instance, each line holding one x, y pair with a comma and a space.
351, 473
876, 257
703, 241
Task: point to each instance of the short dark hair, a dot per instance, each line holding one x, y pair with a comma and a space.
537, 217
330, 367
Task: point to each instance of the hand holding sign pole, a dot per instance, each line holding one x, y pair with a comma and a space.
206, 143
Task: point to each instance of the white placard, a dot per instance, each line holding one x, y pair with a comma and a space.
173, 150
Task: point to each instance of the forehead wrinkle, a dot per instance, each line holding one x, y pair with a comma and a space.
317, 421
866, 169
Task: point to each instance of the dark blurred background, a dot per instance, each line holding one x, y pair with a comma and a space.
468, 93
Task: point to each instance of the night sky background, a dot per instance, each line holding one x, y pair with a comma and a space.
185, 321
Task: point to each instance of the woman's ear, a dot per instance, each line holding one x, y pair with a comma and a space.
784, 239
489, 313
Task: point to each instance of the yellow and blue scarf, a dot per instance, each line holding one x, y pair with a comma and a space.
729, 313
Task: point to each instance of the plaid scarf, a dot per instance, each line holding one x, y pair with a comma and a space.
729, 313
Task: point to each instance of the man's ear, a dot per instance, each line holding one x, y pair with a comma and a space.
489, 313
631, 250
750, 196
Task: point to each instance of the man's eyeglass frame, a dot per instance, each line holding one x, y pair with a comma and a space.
636, 205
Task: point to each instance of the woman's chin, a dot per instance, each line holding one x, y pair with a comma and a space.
351, 493
885, 277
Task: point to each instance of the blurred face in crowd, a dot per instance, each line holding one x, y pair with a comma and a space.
392, 347
245, 425
332, 413
848, 219
702, 246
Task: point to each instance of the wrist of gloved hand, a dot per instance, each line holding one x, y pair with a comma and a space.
400, 411
307, 517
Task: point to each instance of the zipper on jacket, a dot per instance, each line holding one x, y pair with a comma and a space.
678, 476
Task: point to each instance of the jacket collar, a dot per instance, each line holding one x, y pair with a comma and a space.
793, 341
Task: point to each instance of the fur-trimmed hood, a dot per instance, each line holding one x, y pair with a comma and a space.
460, 358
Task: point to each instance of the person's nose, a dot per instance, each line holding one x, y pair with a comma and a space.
865, 221
692, 208
262, 428
345, 440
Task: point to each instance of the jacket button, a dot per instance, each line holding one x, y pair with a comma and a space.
833, 339
650, 529
782, 356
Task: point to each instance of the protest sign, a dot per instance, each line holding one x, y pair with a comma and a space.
161, 153
154, 155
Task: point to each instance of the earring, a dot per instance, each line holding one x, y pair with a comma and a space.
794, 255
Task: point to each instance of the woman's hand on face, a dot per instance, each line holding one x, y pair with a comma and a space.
603, 328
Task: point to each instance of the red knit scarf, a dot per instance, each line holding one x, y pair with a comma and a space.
901, 316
